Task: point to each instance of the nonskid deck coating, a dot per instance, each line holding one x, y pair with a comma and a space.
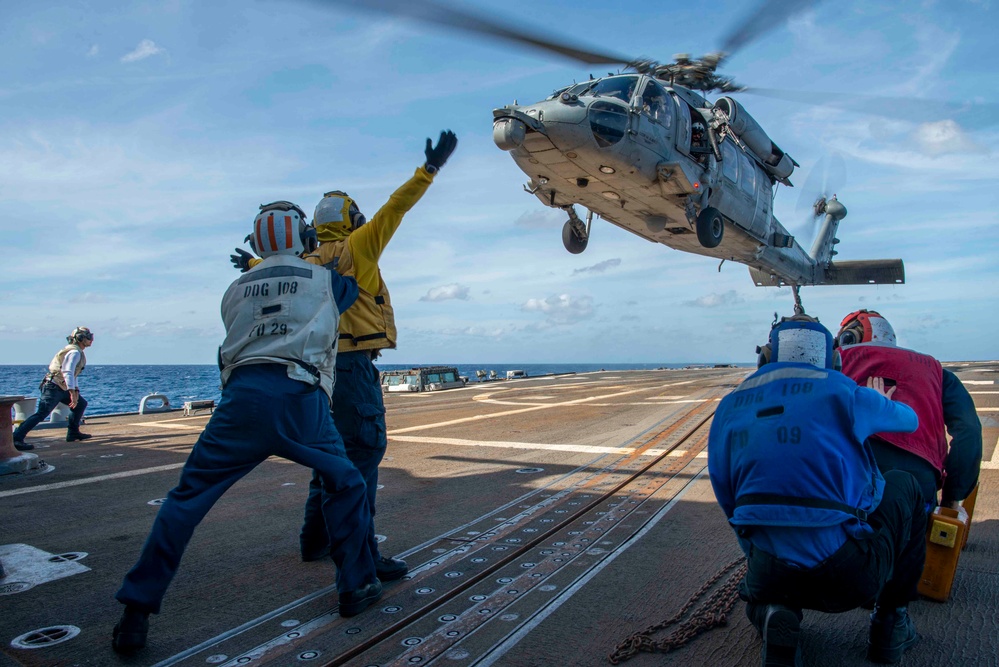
458, 462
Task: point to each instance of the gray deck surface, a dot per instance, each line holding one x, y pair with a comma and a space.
536, 567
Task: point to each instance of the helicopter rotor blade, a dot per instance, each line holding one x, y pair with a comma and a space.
970, 114
450, 16
768, 15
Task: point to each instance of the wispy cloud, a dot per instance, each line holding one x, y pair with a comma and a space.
599, 267
540, 219
561, 308
446, 292
945, 136
728, 298
93, 51
146, 49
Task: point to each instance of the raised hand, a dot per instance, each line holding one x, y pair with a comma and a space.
241, 260
438, 155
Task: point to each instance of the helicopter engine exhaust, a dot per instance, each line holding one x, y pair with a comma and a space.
777, 162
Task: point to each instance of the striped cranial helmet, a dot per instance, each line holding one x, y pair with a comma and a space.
865, 326
280, 229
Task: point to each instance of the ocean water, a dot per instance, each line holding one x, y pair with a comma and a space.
119, 388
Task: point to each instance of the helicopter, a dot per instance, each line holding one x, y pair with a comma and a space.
644, 149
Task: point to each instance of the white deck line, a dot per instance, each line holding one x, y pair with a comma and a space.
992, 463
90, 480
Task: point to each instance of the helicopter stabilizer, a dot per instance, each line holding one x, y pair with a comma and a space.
852, 272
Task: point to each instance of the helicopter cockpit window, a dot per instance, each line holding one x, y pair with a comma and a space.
654, 100
621, 87
747, 174
730, 161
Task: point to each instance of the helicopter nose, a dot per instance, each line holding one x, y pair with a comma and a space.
509, 133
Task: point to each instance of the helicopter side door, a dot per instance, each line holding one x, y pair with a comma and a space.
738, 199
681, 132
655, 119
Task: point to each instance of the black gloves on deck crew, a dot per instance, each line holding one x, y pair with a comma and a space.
438, 155
241, 260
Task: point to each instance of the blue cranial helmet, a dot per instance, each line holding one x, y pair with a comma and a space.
800, 339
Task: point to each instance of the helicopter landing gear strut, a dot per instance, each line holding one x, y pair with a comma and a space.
575, 235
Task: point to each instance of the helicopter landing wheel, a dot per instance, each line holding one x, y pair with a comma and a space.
573, 239
710, 227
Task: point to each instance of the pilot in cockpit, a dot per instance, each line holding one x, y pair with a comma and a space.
697, 139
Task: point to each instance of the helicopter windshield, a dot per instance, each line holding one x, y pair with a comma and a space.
621, 87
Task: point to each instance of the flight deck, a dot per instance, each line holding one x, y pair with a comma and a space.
545, 521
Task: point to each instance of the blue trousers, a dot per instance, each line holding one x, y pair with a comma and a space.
262, 413
359, 415
51, 396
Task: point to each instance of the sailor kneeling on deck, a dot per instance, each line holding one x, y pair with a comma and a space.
821, 527
277, 364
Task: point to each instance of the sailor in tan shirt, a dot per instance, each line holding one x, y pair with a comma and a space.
60, 386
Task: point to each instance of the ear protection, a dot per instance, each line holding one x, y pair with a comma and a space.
80, 334
865, 326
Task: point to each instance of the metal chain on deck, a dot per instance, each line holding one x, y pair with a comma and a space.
712, 613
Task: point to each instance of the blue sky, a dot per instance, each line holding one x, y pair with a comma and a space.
137, 140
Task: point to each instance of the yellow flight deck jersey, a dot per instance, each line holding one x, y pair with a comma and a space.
369, 324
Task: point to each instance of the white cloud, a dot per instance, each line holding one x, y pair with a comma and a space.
599, 267
445, 292
561, 308
90, 297
93, 51
944, 136
145, 49
728, 298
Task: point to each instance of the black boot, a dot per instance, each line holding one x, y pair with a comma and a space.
77, 435
780, 631
892, 632
129, 634
390, 569
354, 602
